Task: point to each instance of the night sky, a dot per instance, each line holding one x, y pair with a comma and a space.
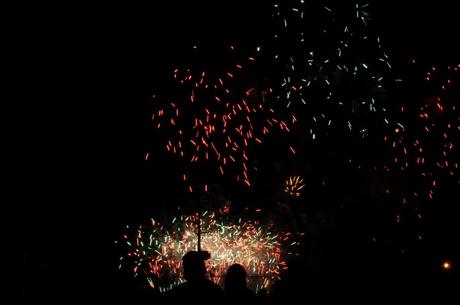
87, 79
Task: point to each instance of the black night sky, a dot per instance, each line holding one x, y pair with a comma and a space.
87, 75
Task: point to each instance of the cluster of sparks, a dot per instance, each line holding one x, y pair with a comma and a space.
429, 142
293, 186
334, 69
216, 116
155, 251
425, 143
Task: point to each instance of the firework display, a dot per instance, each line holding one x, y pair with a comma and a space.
318, 98
424, 144
155, 251
428, 142
215, 117
334, 68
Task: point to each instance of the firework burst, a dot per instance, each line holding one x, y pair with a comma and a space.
426, 144
215, 117
422, 159
334, 69
293, 186
155, 251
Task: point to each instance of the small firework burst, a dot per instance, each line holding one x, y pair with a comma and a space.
294, 185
